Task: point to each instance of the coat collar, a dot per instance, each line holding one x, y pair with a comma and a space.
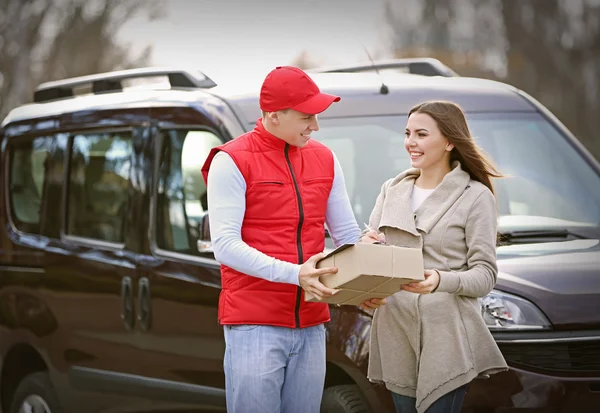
397, 210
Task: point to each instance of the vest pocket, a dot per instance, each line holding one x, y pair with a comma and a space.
268, 182
315, 193
317, 180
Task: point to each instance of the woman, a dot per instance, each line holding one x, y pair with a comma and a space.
429, 340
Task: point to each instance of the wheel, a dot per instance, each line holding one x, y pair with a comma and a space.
344, 399
35, 394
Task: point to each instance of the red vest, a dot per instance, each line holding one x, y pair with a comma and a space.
287, 189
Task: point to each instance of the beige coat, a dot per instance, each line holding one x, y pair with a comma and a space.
425, 346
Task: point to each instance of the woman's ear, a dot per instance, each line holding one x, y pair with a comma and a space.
449, 146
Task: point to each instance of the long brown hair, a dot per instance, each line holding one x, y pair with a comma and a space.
453, 125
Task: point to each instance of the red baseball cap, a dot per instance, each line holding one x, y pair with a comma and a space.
288, 87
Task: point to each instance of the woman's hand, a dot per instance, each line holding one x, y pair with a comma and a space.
373, 303
431, 282
372, 237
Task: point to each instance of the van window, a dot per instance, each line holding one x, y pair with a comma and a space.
370, 150
547, 182
546, 179
27, 176
181, 199
98, 191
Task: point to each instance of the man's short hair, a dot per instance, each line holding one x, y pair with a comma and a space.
282, 110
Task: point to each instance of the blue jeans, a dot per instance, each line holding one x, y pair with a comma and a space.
274, 369
448, 403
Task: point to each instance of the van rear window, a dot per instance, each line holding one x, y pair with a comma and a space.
26, 180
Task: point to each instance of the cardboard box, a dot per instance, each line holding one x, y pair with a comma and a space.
369, 271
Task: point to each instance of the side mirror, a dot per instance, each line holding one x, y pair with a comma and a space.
204, 243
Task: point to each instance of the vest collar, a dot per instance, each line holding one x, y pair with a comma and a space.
268, 139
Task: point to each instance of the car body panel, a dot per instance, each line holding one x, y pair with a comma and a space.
60, 297
570, 302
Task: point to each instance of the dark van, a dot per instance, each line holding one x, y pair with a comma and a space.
108, 284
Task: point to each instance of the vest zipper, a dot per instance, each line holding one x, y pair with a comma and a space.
298, 232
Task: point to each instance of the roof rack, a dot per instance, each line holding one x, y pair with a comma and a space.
426, 66
112, 82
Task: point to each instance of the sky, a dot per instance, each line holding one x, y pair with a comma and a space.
229, 37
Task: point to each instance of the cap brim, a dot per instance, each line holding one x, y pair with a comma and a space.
316, 104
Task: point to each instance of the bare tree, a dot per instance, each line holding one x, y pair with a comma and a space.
555, 50
465, 34
548, 48
44, 40
304, 61
20, 23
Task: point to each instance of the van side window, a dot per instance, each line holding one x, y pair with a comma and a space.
27, 176
98, 191
181, 198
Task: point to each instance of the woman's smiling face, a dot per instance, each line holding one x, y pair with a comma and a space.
425, 143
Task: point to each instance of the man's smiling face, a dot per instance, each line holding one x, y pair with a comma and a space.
295, 127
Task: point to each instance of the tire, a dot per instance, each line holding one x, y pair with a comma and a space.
344, 399
35, 394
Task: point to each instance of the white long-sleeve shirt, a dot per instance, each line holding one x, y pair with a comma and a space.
227, 206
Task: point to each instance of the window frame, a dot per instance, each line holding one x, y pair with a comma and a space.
9, 144
77, 239
158, 142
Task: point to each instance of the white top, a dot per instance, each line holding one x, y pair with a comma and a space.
227, 206
418, 196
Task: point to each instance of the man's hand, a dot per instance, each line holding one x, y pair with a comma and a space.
373, 303
309, 277
432, 280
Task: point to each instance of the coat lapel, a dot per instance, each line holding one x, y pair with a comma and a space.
439, 202
397, 212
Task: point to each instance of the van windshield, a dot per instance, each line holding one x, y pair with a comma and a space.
548, 183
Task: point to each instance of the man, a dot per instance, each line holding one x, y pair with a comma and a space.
270, 193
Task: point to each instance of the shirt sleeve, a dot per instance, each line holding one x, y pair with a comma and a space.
480, 236
226, 208
339, 218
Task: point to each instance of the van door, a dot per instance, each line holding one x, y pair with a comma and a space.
180, 286
91, 278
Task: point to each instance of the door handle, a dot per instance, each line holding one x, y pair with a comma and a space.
127, 303
145, 302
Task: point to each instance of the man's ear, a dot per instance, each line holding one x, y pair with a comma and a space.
273, 117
